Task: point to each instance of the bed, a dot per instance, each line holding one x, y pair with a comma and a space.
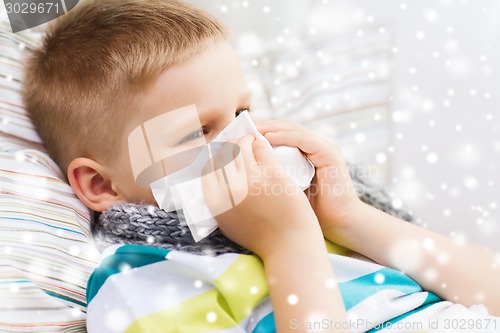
46, 246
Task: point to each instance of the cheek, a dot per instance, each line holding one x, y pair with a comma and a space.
143, 195
135, 193
125, 184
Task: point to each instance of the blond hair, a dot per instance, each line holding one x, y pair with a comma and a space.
79, 86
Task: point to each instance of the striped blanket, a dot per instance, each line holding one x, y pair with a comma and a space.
138, 288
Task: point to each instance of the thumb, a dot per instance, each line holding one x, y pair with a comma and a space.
264, 152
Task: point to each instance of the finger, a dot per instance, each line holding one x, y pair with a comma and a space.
235, 147
309, 144
271, 125
236, 173
210, 169
246, 150
209, 179
216, 191
237, 180
227, 164
321, 151
264, 152
223, 155
238, 159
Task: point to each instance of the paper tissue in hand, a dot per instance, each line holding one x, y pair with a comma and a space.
182, 188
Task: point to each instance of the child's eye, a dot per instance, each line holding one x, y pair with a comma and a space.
193, 136
240, 111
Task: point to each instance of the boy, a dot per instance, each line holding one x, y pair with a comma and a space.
106, 67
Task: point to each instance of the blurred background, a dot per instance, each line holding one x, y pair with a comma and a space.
409, 89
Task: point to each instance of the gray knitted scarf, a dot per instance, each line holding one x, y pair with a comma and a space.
128, 223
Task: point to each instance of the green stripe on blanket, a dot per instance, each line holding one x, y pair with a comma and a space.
238, 291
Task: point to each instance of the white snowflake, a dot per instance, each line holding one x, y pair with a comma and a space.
292, 299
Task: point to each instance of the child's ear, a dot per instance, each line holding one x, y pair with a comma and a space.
91, 184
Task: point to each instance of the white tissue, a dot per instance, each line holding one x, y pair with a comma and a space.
179, 191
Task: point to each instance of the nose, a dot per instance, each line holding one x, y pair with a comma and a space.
224, 121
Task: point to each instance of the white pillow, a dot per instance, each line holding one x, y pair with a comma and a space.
46, 249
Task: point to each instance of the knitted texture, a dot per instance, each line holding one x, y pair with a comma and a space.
129, 223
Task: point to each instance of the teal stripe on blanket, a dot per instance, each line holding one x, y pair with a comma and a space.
430, 300
356, 290
266, 324
125, 257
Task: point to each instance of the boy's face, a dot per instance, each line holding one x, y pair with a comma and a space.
213, 81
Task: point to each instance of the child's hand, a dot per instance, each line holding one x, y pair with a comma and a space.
269, 209
331, 194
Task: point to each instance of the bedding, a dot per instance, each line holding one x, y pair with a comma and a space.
145, 289
46, 246
47, 253
46, 249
